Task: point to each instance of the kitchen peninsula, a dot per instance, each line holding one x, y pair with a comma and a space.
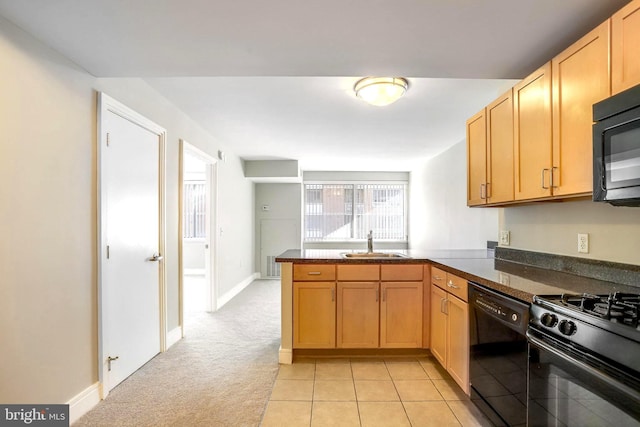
317, 279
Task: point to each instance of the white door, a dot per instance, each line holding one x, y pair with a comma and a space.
131, 262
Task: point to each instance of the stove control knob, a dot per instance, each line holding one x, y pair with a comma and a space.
567, 327
549, 320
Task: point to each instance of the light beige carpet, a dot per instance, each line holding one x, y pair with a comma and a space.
220, 374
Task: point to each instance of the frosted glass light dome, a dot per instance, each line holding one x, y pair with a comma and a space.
381, 91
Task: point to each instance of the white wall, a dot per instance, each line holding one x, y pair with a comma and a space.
48, 269
614, 232
438, 215
285, 203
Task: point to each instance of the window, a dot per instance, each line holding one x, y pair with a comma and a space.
195, 210
346, 211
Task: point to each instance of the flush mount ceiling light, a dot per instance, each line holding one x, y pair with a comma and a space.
381, 91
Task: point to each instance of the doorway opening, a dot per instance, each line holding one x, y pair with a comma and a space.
197, 231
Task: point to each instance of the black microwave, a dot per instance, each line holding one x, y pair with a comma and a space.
616, 149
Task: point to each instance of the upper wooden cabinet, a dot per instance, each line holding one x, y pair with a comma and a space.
477, 159
552, 119
490, 153
500, 149
625, 45
532, 135
580, 78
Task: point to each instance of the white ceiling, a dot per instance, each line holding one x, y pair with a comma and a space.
274, 79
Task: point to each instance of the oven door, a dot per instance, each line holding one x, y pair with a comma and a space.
565, 388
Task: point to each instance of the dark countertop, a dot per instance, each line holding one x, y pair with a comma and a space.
513, 279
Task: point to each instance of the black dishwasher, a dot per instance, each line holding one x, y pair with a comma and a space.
498, 355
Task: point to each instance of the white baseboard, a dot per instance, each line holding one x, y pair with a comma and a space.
223, 299
83, 402
285, 356
173, 336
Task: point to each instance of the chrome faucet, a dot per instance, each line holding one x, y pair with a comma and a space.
370, 241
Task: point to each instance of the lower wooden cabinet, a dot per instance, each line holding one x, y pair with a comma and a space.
314, 314
450, 327
401, 315
358, 315
379, 315
369, 306
438, 325
458, 341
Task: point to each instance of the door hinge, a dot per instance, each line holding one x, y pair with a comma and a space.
109, 360
108, 139
107, 251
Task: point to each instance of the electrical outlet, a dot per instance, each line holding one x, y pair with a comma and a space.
504, 237
505, 279
583, 243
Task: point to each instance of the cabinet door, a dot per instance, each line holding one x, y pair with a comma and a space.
439, 277
314, 315
532, 135
625, 45
401, 315
358, 314
315, 272
438, 325
426, 307
458, 341
477, 160
500, 149
401, 272
580, 79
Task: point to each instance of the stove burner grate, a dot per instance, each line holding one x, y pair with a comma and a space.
617, 307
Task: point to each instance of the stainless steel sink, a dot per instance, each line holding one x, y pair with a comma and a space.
373, 255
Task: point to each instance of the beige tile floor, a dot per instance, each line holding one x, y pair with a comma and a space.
368, 393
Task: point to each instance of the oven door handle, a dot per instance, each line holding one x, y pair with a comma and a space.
589, 369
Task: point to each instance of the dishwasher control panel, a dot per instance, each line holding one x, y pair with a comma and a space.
503, 308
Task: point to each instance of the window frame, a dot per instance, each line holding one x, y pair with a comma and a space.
354, 183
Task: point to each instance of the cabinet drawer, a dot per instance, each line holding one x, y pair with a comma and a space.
304, 272
457, 286
439, 277
401, 272
359, 272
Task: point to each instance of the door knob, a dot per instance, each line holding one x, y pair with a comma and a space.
156, 257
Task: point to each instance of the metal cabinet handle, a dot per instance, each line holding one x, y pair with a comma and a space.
542, 178
451, 285
437, 278
552, 174
333, 295
156, 257
377, 295
483, 191
488, 194
314, 273
443, 305
384, 295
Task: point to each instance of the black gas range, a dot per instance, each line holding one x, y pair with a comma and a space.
584, 360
